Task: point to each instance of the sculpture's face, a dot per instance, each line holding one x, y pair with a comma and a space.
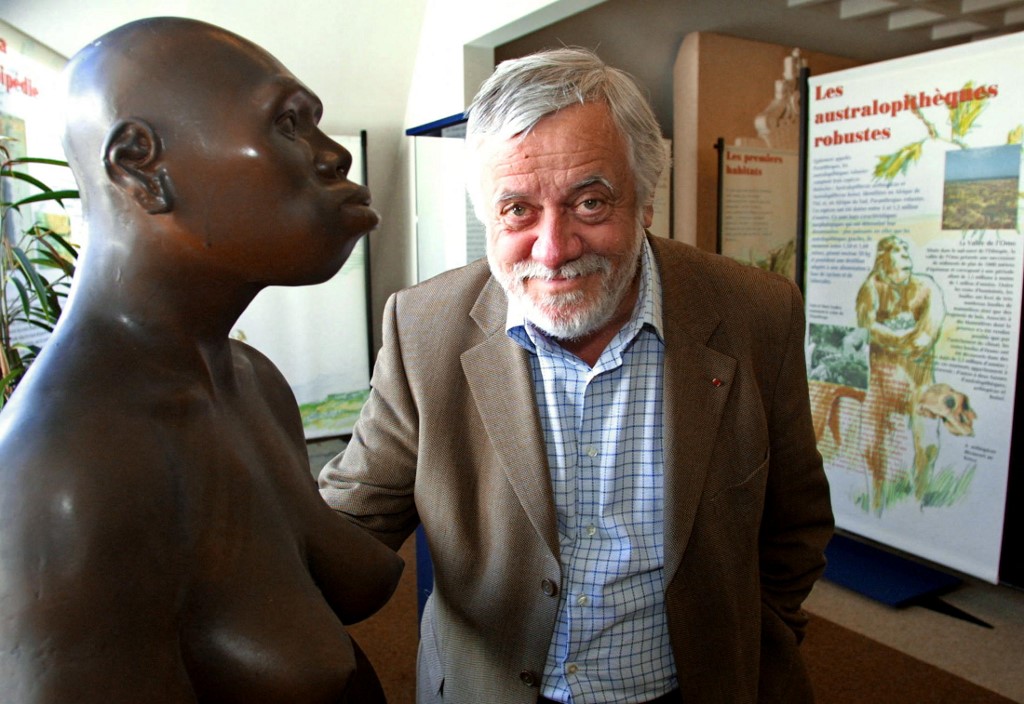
258, 189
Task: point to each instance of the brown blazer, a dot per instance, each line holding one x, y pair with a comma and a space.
450, 437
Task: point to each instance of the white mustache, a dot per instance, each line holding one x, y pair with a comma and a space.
584, 266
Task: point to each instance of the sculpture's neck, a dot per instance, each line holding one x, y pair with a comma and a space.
134, 282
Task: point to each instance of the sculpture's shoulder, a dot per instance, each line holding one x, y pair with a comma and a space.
92, 556
79, 457
87, 445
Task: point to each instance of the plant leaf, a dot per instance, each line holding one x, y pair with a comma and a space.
41, 324
34, 279
8, 383
37, 160
70, 250
23, 295
58, 196
966, 112
890, 166
21, 176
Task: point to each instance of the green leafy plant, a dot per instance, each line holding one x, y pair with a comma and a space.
36, 267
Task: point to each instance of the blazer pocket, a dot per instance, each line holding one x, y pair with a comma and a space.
738, 508
746, 492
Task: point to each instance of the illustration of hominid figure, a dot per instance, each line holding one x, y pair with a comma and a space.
903, 312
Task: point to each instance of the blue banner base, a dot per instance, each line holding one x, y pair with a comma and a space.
882, 575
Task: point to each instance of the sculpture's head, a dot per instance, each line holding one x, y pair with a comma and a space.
182, 130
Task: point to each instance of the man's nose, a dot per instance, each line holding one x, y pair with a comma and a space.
333, 161
557, 242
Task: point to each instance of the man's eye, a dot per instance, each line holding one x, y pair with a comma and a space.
515, 210
592, 207
287, 124
516, 216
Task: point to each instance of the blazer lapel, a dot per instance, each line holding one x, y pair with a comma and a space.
498, 373
697, 382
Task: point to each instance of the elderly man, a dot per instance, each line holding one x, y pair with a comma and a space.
161, 539
605, 435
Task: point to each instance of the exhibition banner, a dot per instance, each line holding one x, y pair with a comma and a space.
758, 208
913, 291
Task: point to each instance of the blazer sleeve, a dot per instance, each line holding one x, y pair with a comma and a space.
373, 480
797, 522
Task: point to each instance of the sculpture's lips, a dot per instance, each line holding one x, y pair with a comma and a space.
356, 210
357, 195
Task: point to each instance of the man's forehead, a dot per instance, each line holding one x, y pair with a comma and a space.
510, 168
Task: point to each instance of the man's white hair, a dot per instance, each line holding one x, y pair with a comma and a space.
522, 91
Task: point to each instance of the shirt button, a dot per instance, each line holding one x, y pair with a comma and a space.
591, 451
549, 587
583, 600
572, 668
591, 530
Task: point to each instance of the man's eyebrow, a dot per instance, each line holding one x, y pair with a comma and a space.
581, 185
589, 181
508, 196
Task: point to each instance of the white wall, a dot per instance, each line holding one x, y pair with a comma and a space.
456, 50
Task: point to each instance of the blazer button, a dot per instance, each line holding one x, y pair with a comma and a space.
549, 587
529, 678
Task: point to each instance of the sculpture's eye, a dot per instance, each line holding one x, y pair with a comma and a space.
950, 402
287, 123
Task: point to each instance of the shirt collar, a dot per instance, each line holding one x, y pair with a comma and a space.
647, 311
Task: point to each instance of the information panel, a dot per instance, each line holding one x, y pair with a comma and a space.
758, 207
913, 289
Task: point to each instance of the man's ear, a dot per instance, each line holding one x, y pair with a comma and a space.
648, 215
131, 156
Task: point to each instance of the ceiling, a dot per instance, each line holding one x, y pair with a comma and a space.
943, 19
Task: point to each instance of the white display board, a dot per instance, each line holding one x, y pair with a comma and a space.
758, 207
913, 288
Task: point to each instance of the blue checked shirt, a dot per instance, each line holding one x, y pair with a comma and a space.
603, 430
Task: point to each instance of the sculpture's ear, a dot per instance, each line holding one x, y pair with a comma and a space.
131, 156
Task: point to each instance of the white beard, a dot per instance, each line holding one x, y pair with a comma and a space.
567, 316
